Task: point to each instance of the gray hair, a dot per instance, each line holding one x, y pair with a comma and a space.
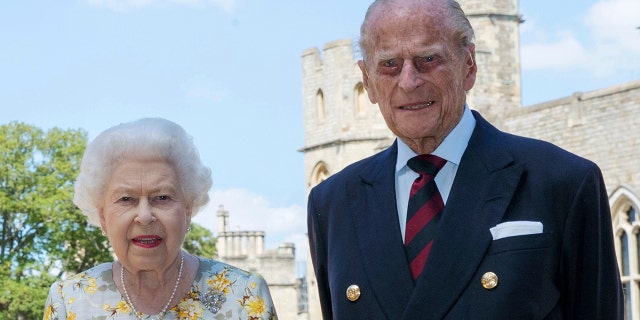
149, 138
457, 23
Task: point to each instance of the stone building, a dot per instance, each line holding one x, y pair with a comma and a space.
341, 126
245, 249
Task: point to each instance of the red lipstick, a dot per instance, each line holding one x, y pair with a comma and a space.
147, 241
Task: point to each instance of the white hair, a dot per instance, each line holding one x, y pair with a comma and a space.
456, 22
148, 138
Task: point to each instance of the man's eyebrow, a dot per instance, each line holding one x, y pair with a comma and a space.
432, 50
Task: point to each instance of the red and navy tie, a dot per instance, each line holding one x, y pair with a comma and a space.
424, 210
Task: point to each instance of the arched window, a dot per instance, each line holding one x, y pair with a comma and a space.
320, 111
626, 227
319, 174
361, 99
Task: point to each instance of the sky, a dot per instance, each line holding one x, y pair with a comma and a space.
229, 72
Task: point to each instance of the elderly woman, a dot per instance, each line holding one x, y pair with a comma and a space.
142, 182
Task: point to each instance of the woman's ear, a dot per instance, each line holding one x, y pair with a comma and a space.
189, 214
103, 224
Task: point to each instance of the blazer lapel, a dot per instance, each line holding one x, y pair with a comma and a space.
482, 190
373, 210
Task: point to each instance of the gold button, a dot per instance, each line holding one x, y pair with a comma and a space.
353, 292
489, 280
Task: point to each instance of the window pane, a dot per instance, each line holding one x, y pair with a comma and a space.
624, 240
627, 300
637, 271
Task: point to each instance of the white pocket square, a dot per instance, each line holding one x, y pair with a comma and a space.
515, 228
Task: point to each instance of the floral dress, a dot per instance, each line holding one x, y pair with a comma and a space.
219, 291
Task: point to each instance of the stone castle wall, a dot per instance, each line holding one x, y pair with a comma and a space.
600, 125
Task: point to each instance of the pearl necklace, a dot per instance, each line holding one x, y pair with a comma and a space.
166, 306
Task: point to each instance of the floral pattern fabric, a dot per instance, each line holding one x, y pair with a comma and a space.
219, 291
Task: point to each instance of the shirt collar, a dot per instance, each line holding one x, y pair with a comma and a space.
451, 148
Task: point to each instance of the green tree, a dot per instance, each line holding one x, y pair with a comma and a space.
200, 241
42, 230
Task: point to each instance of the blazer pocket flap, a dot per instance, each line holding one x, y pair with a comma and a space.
515, 228
526, 242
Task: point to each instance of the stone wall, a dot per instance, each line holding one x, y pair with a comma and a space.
600, 125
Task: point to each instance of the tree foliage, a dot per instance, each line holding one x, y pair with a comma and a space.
200, 241
43, 235
42, 230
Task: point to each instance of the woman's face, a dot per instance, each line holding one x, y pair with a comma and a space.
145, 214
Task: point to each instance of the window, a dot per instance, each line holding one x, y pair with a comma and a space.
319, 174
320, 111
626, 227
624, 257
361, 99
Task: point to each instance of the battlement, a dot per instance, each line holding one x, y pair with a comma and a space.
343, 49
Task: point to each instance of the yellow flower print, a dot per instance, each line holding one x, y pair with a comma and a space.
255, 306
122, 307
253, 285
193, 294
189, 309
71, 315
71, 300
220, 282
92, 286
49, 313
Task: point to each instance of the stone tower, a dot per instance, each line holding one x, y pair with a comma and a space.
342, 126
497, 89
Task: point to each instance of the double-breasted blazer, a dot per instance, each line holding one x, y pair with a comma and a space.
567, 271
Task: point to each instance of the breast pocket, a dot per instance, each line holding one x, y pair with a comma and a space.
522, 242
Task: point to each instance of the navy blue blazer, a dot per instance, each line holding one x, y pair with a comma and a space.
569, 271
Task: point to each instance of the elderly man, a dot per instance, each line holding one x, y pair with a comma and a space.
456, 220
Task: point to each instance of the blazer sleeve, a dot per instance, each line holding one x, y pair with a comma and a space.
592, 287
318, 249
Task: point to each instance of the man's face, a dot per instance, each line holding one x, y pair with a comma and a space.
417, 74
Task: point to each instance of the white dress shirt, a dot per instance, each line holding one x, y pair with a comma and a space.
451, 149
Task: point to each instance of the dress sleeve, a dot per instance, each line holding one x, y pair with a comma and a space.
54, 308
257, 302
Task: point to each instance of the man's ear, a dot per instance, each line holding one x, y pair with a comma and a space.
470, 78
365, 82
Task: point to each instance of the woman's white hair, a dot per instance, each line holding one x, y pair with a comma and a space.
148, 138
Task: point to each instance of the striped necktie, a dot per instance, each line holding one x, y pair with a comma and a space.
423, 212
